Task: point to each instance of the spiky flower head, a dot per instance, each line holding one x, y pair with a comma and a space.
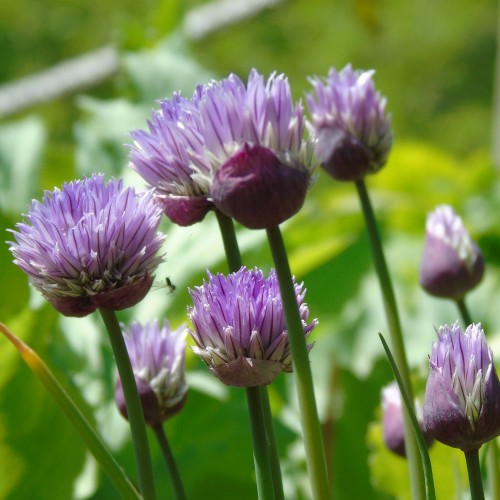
452, 263
349, 118
167, 156
393, 420
462, 397
239, 327
90, 244
157, 356
261, 161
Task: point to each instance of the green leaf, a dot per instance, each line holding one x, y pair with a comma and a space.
74, 415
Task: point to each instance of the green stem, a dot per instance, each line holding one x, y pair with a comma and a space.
234, 262
271, 445
464, 312
422, 446
233, 255
396, 336
474, 472
168, 456
313, 442
133, 405
263, 472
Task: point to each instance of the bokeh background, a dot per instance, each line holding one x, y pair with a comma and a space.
435, 62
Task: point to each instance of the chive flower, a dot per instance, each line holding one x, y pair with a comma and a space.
157, 356
90, 245
452, 263
353, 131
238, 148
239, 327
462, 397
263, 163
169, 154
393, 420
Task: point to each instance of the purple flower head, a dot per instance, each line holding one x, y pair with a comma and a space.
90, 245
157, 358
462, 397
261, 163
353, 131
393, 421
239, 327
452, 263
168, 155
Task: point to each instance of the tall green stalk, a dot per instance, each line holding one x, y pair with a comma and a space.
266, 457
474, 472
263, 472
464, 312
133, 405
168, 457
396, 337
313, 442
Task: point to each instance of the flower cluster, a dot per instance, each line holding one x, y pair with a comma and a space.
89, 245
240, 148
462, 397
157, 358
239, 327
353, 131
452, 263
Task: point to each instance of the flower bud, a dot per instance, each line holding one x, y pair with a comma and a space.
157, 358
352, 129
462, 396
393, 420
452, 263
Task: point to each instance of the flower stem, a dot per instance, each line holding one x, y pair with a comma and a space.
315, 453
464, 312
234, 262
263, 472
271, 445
168, 456
233, 255
474, 472
396, 336
133, 404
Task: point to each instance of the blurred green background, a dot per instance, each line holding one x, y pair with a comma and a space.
435, 62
